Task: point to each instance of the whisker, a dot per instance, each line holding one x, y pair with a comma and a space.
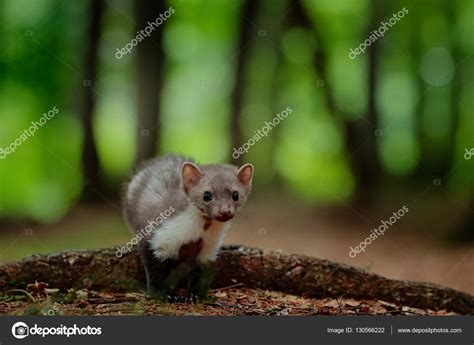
242, 215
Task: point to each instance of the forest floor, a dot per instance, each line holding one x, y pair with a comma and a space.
415, 248
225, 302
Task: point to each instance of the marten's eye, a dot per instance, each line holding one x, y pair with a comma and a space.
235, 196
207, 196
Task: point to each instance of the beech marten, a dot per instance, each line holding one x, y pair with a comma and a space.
186, 210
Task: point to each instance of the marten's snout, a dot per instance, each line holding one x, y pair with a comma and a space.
225, 213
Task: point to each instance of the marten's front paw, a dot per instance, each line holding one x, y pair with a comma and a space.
180, 295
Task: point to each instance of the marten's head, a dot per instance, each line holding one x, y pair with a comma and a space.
218, 191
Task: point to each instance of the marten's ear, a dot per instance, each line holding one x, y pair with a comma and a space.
245, 174
191, 174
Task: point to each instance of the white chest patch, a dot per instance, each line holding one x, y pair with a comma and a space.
188, 227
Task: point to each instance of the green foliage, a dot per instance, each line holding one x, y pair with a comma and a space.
41, 66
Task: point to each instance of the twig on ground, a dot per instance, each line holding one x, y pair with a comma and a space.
24, 291
227, 287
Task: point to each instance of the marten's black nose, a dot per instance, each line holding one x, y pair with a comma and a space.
225, 215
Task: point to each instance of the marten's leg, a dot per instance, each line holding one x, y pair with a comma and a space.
194, 287
176, 280
157, 272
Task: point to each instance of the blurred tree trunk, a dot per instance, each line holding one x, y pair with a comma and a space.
440, 163
275, 20
149, 71
456, 89
369, 163
245, 34
90, 158
360, 139
447, 162
416, 51
465, 231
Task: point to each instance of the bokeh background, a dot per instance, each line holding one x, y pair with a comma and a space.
366, 135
